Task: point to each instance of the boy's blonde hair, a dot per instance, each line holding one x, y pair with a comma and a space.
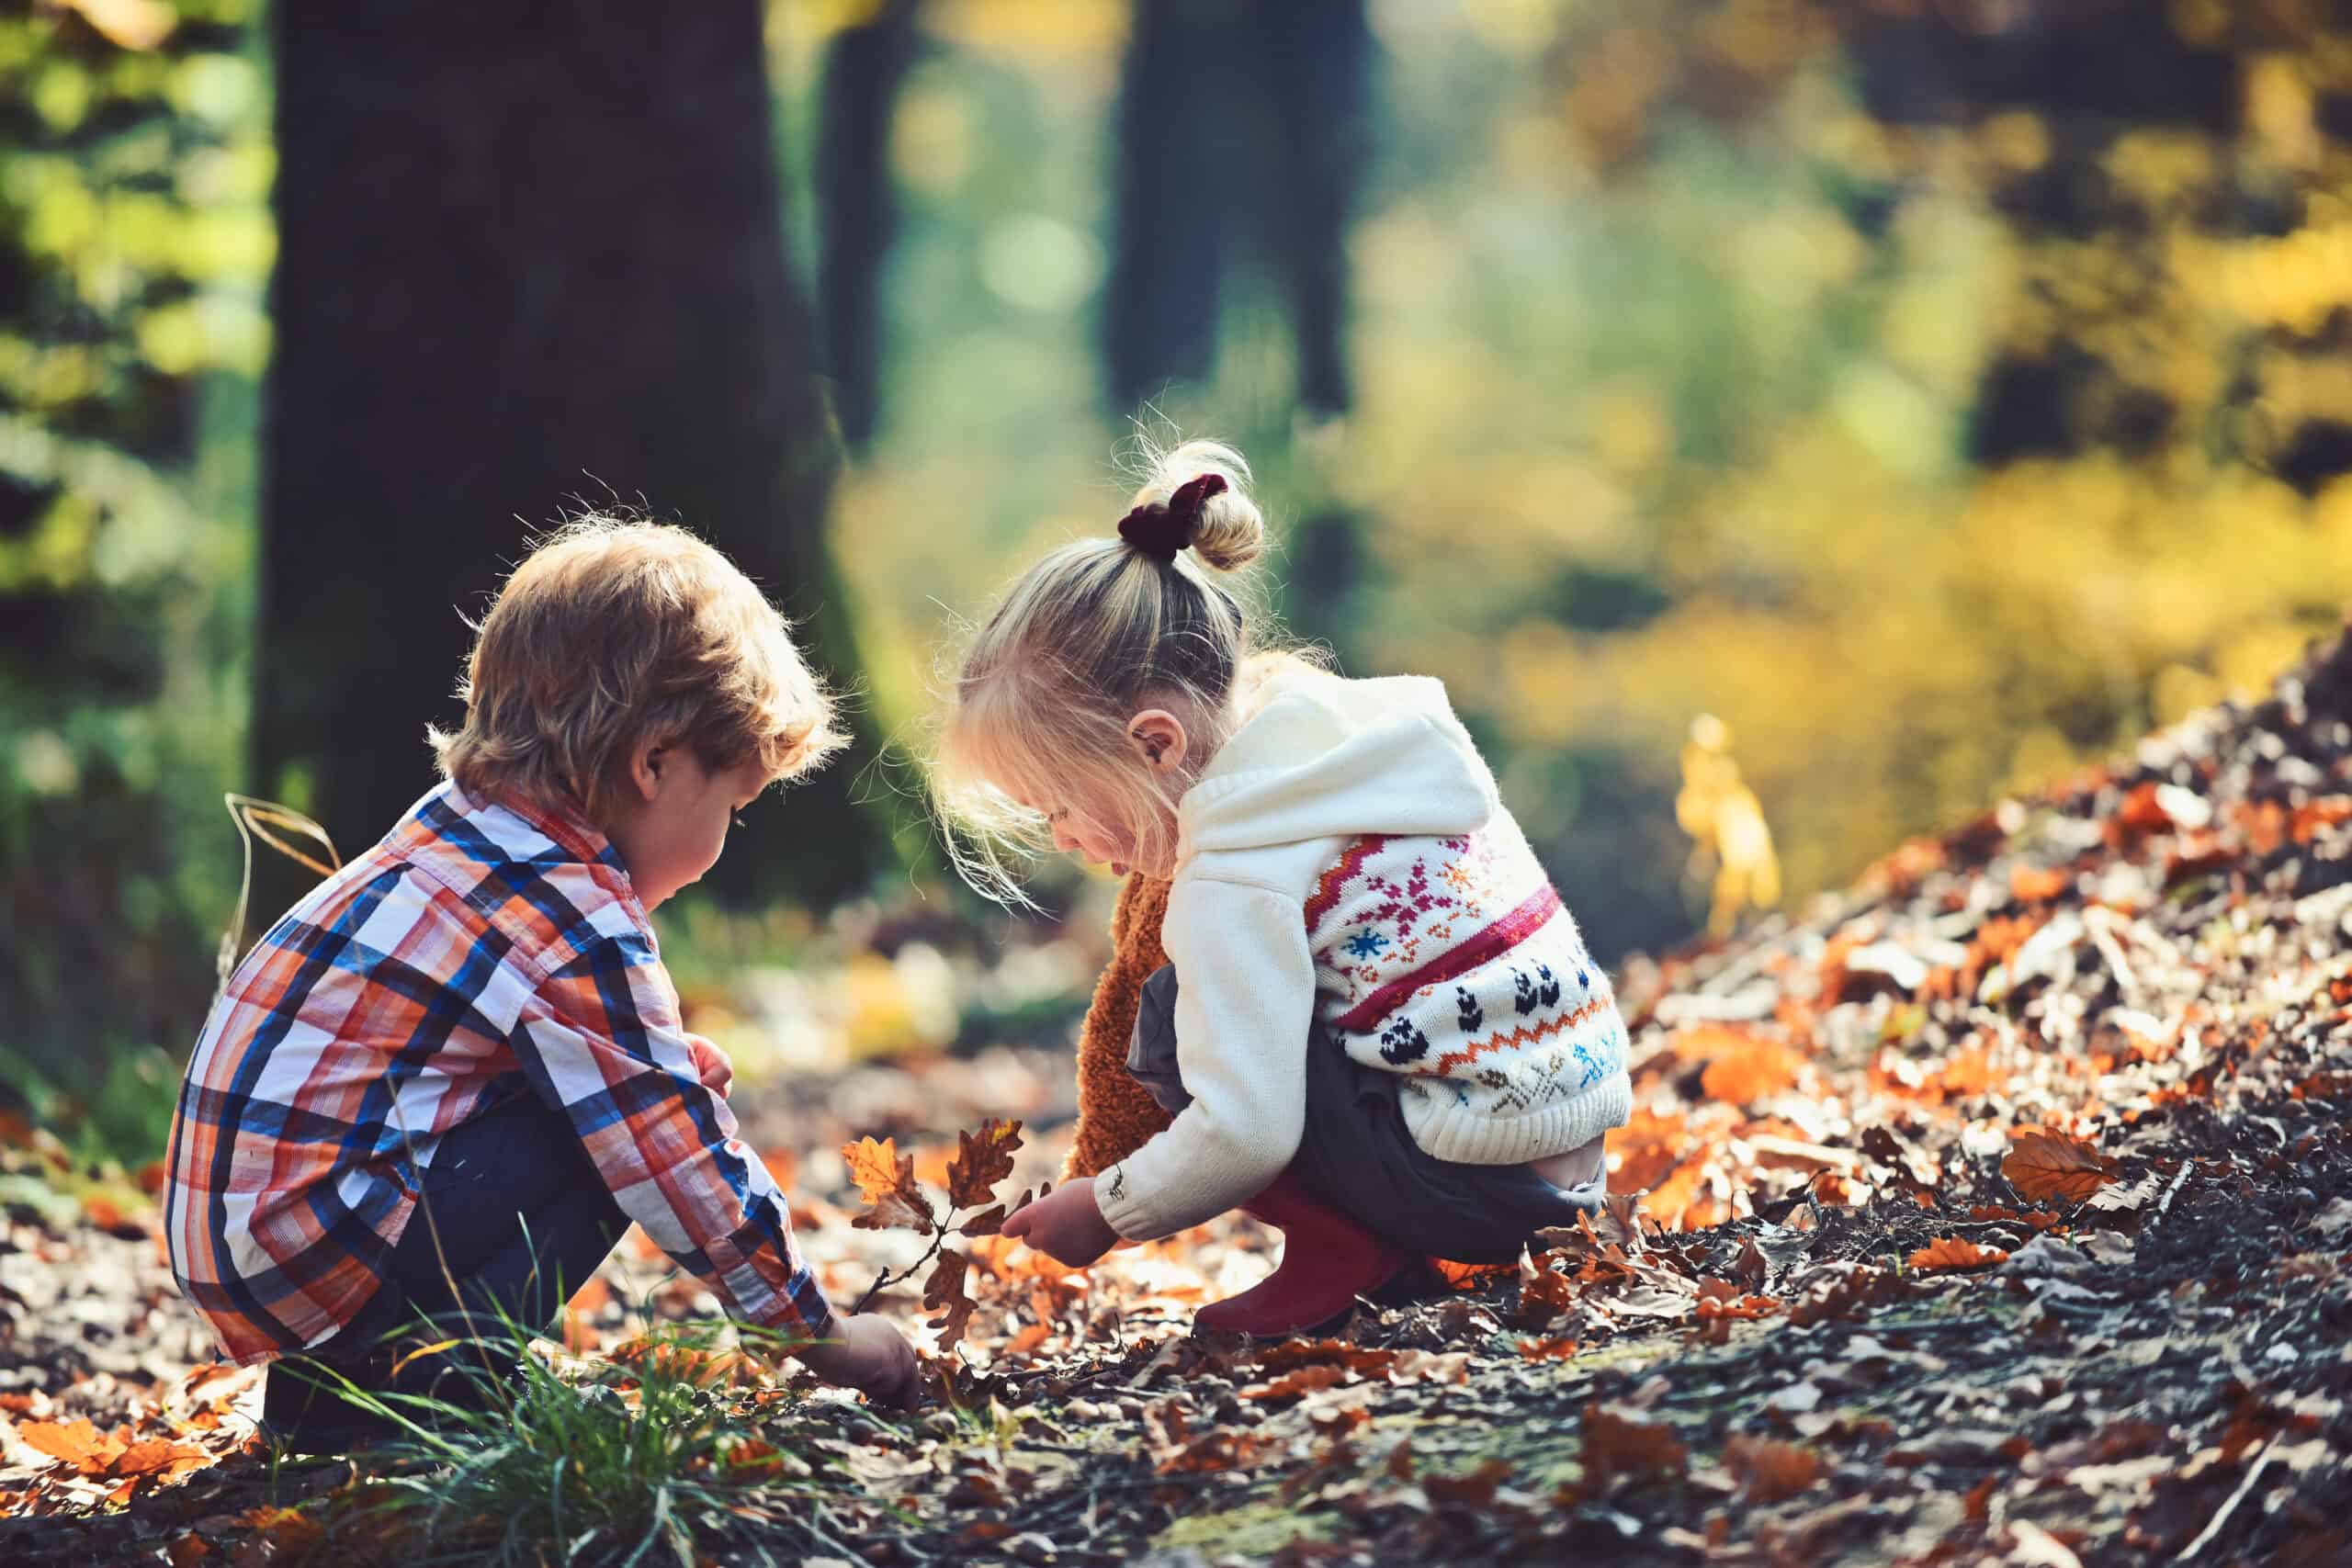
1096, 631
615, 632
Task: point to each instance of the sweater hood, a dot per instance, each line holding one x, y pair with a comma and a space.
1325, 757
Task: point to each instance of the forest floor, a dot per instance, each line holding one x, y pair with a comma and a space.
1996, 1209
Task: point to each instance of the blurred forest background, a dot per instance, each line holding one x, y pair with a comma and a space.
1939, 392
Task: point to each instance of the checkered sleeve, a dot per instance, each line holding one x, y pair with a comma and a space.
604, 1045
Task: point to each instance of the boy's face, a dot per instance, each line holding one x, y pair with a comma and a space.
673, 818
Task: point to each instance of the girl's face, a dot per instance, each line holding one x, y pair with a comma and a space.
1088, 819
1080, 829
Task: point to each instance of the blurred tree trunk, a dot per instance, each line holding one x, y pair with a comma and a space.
863, 74
1160, 311
1315, 59
1236, 117
529, 258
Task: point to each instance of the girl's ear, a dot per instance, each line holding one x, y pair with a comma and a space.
1159, 739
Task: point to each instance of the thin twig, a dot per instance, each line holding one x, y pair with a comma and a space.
2164, 1208
883, 1280
2214, 1527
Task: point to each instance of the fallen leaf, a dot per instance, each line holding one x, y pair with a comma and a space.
76, 1442
1950, 1252
1621, 1443
1304, 1380
2047, 1165
1770, 1470
1838, 1290
1475, 1490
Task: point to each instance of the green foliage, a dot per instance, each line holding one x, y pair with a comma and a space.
654, 1461
135, 244
1936, 417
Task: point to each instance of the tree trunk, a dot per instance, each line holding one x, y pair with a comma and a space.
1238, 120
530, 259
859, 207
1160, 305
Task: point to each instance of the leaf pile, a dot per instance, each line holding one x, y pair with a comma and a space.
2000, 1210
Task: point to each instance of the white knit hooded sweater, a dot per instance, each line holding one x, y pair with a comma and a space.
1345, 859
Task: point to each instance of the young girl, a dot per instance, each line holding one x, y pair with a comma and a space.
1380, 1032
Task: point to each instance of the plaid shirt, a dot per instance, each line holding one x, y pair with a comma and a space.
480, 951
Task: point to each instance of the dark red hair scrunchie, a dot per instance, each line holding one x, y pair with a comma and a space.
1159, 529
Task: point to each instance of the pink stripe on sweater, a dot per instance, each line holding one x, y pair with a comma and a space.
1497, 939
1333, 881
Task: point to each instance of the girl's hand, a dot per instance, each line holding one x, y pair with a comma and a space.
1066, 1224
711, 1065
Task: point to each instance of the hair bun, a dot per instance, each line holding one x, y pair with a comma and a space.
1225, 530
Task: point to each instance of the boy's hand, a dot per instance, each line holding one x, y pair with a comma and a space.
711, 1065
870, 1356
1066, 1224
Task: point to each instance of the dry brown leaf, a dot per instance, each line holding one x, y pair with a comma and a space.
982, 1159
2049, 1166
1770, 1470
1548, 1349
76, 1442
943, 1294
160, 1458
1336, 1352
1742, 1068
1304, 1380
1838, 1290
1621, 1442
887, 1179
1475, 1490
1950, 1252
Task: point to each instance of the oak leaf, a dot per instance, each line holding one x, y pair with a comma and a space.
887, 1179
2049, 1165
943, 1294
1949, 1252
982, 1159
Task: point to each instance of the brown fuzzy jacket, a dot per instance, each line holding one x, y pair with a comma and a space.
1116, 1117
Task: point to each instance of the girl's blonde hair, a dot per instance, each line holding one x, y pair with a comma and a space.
1096, 631
613, 633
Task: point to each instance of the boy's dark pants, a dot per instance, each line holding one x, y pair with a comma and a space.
512, 1218
1356, 1154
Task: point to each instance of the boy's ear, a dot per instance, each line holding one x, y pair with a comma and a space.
645, 765
1159, 739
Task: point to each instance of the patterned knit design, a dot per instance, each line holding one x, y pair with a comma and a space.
1451, 963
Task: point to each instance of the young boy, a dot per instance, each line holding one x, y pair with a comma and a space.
441, 1087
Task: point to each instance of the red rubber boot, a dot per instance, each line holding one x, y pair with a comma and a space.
1327, 1261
